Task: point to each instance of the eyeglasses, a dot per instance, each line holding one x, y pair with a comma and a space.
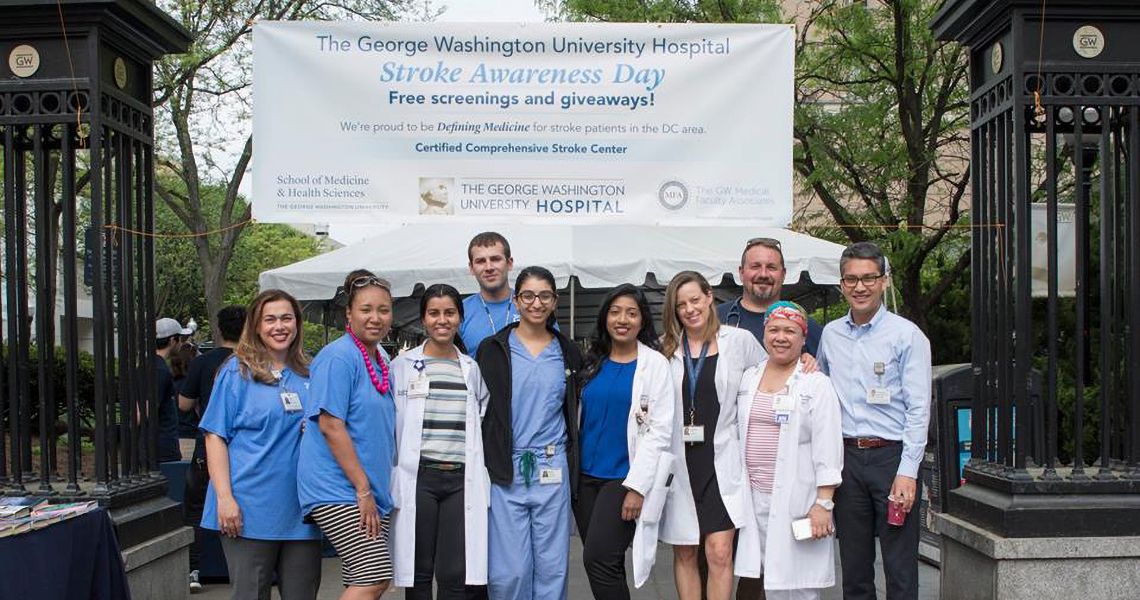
851, 281
366, 280
528, 297
767, 242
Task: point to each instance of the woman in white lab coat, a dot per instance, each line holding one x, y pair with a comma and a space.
625, 454
440, 486
793, 452
710, 498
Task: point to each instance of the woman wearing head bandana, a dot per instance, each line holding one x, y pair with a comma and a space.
793, 451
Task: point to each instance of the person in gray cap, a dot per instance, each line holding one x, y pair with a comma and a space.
168, 335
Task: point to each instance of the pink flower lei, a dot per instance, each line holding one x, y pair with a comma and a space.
382, 385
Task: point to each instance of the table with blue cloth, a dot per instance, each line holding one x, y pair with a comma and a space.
75, 559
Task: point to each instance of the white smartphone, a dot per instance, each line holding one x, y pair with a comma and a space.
801, 529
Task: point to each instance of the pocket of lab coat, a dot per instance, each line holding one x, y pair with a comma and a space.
655, 501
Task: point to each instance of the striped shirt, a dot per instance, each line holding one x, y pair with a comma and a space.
445, 412
762, 443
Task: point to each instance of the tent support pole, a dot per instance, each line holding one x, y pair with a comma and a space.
573, 305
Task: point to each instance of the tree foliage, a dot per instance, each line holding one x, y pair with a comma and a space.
880, 126
203, 102
261, 246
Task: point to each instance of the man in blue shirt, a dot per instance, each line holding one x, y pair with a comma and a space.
879, 364
762, 272
492, 308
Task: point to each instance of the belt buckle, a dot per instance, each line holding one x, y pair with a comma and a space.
864, 443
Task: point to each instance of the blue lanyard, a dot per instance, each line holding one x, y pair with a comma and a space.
694, 373
487, 309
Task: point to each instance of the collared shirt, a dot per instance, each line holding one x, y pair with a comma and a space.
849, 353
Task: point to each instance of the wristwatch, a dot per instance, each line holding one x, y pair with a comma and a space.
825, 504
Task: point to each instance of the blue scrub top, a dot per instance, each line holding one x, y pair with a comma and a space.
342, 388
605, 416
263, 441
483, 319
538, 390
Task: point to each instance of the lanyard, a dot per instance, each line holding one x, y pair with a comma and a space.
487, 310
694, 373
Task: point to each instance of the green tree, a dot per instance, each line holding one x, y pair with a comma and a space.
261, 246
880, 125
202, 99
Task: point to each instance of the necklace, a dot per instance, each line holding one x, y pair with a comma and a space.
381, 385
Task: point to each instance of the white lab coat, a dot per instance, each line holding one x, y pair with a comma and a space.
476, 483
810, 454
650, 458
737, 351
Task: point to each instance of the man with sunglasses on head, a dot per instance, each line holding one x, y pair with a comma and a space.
491, 309
762, 273
879, 363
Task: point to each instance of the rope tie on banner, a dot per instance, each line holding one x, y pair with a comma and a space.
1038, 109
155, 234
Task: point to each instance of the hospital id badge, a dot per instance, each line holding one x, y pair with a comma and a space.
549, 476
783, 403
693, 434
781, 417
291, 401
418, 388
878, 395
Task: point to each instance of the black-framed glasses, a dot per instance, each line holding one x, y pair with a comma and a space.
366, 280
528, 297
850, 281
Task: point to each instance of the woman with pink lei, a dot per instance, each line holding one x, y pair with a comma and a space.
349, 444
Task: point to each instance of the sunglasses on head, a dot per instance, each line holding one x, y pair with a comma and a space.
366, 280
767, 242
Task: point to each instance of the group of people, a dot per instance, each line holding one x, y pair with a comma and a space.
464, 461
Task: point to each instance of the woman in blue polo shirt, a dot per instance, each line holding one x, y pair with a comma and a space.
253, 431
349, 445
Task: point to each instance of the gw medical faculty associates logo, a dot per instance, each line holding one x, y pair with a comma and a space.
673, 194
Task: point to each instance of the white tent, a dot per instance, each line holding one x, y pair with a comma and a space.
599, 256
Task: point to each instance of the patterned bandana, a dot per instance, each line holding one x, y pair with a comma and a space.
788, 310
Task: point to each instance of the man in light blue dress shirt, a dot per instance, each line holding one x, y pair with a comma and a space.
879, 364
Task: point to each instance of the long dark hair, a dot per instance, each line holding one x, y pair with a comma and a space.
601, 344
442, 290
544, 274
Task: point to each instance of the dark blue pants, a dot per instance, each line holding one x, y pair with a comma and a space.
861, 514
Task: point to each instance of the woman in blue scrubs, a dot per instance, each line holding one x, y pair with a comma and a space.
529, 433
252, 429
349, 444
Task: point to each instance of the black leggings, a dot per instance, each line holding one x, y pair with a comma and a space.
605, 536
439, 535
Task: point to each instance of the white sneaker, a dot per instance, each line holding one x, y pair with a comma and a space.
195, 585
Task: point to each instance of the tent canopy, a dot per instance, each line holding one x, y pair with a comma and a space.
600, 256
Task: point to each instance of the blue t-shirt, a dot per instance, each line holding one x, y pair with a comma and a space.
483, 319
263, 440
605, 416
342, 388
538, 390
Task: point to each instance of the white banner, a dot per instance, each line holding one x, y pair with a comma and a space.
556, 123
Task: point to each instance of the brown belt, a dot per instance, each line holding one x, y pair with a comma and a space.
864, 443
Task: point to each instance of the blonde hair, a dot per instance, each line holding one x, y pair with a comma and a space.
252, 355
671, 323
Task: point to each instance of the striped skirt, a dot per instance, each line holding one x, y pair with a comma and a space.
364, 562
